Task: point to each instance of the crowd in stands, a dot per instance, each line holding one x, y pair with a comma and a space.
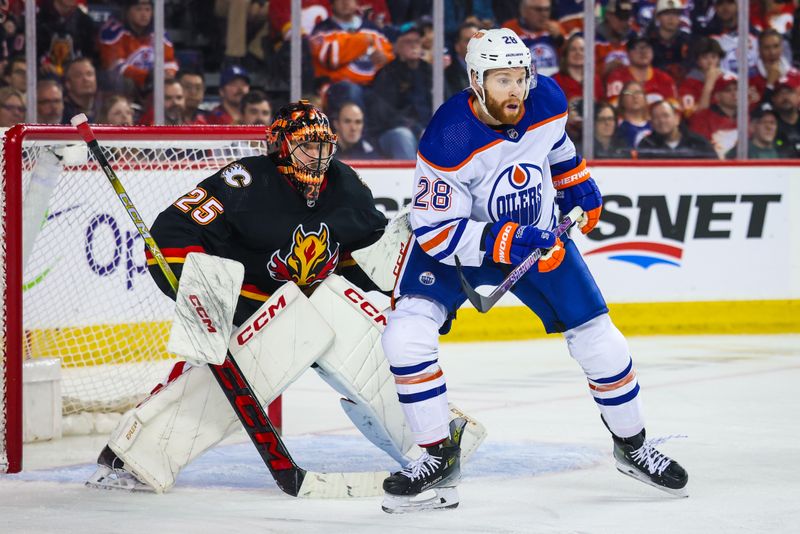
664, 87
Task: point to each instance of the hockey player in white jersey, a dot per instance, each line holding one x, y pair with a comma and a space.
493, 165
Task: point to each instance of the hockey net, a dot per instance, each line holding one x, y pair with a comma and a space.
84, 295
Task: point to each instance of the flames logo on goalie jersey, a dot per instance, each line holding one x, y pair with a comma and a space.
309, 260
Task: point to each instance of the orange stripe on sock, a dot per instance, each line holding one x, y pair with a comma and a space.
418, 379
616, 385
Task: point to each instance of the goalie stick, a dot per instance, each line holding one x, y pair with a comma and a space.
291, 478
484, 303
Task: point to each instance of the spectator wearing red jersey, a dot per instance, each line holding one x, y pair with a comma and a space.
234, 83
542, 35
771, 67
613, 33
348, 50
670, 42
126, 50
658, 85
570, 71
696, 89
634, 116
718, 122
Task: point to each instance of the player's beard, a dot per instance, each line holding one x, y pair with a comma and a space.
497, 109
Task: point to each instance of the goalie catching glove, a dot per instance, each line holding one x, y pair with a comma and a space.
509, 243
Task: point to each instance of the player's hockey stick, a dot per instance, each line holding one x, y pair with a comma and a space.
290, 477
484, 303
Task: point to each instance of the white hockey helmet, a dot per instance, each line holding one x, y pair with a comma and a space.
498, 49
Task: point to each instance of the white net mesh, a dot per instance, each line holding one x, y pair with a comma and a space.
87, 297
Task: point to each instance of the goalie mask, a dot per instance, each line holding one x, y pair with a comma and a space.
302, 145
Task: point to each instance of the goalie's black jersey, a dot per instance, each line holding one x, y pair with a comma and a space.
251, 213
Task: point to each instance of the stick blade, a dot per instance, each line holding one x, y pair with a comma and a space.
481, 303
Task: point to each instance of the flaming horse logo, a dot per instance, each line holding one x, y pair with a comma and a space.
309, 260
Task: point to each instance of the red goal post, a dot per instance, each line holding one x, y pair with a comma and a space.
83, 295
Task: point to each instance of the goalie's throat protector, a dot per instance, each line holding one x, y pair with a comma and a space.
302, 145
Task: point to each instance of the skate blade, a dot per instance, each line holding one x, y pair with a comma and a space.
442, 499
633, 473
105, 478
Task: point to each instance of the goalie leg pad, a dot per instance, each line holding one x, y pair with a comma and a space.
190, 414
356, 368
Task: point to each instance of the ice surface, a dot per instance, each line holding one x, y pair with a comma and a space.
545, 467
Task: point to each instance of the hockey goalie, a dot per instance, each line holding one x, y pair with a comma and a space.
263, 249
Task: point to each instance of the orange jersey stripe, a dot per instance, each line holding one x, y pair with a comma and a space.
437, 239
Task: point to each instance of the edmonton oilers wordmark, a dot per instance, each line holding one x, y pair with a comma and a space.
517, 194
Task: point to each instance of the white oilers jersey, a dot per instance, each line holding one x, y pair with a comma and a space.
469, 173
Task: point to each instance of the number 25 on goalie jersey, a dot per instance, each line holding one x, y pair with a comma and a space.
469, 173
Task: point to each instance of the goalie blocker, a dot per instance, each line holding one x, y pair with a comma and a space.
338, 328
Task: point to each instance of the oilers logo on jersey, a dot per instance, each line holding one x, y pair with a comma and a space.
517, 194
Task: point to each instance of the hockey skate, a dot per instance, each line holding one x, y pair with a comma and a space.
638, 458
111, 474
438, 469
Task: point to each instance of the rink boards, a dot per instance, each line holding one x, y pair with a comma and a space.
681, 248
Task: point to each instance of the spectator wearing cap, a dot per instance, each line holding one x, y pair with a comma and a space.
401, 105
724, 27
717, 123
763, 142
613, 33
456, 78
634, 117
696, 89
64, 31
349, 126
348, 50
670, 42
126, 50
256, 109
234, 83
542, 35
669, 139
194, 91
657, 84
570, 70
49, 101
771, 67
786, 103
